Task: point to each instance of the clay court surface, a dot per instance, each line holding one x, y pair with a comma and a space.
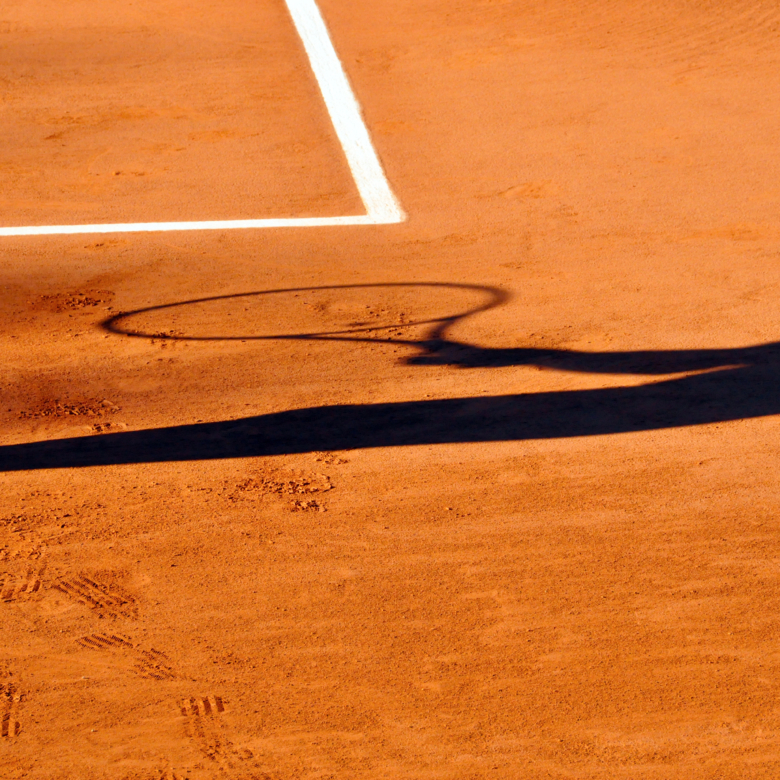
491, 493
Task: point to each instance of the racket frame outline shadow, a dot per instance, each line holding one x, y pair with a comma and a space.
494, 296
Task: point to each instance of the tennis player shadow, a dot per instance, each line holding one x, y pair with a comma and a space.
717, 385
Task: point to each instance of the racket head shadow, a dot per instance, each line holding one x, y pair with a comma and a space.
405, 312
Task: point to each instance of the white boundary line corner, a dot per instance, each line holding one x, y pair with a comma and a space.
382, 207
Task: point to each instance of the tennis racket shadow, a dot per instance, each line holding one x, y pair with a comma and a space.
717, 385
169, 321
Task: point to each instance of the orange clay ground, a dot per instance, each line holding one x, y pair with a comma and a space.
570, 570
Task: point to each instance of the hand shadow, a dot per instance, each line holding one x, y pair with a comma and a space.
728, 384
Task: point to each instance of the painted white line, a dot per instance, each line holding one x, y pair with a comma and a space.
382, 207
216, 224
344, 112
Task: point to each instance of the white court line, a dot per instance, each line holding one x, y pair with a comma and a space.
382, 208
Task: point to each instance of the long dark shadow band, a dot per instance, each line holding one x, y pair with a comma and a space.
693, 400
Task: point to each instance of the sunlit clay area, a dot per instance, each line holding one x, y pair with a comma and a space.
389, 390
